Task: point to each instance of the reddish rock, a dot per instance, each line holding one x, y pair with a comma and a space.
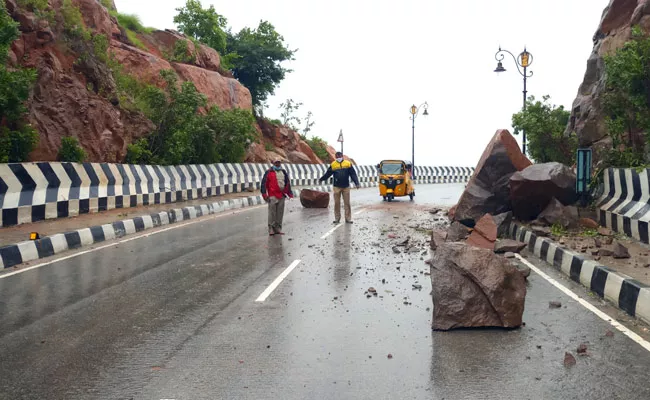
438, 237
474, 287
226, 93
475, 239
488, 189
532, 189
569, 360
588, 223
142, 65
487, 227
95, 17
200, 56
605, 231
314, 199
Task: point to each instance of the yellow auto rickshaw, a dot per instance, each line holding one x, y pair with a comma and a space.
395, 179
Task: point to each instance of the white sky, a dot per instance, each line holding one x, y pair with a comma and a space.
361, 64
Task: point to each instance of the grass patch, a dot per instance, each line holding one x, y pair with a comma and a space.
268, 147
590, 233
558, 230
133, 38
131, 22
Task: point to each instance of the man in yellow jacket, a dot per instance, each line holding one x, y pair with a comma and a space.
343, 171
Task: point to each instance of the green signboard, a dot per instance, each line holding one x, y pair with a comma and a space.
583, 172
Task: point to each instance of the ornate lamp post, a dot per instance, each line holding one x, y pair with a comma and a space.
524, 61
414, 113
340, 140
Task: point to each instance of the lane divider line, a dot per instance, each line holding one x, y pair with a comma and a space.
191, 222
339, 225
612, 321
267, 292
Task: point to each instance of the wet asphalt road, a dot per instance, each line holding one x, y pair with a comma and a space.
174, 316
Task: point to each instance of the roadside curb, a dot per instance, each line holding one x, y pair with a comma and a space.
30, 250
624, 292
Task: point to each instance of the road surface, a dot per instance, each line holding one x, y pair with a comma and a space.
192, 312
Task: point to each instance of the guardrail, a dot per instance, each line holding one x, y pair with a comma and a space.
31, 192
624, 206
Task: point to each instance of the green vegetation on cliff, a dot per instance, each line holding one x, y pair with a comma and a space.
17, 137
627, 102
185, 136
544, 125
255, 56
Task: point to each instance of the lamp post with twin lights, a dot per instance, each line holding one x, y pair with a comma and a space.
414, 113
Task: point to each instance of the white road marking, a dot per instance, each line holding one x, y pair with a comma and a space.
277, 281
339, 225
638, 339
215, 216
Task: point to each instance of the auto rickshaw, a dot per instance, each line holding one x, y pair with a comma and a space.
395, 180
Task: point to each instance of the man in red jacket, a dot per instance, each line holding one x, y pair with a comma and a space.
276, 185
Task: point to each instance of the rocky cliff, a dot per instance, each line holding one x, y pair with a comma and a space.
587, 116
76, 96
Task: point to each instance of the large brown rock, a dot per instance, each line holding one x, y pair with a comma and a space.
487, 227
532, 189
473, 287
488, 189
200, 56
314, 198
457, 232
557, 213
438, 237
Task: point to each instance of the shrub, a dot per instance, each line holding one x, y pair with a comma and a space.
15, 145
182, 53
319, 146
71, 151
73, 21
133, 38
138, 152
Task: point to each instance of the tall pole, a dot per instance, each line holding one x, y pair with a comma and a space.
524, 131
413, 149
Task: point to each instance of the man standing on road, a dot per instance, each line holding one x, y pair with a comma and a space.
276, 185
343, 171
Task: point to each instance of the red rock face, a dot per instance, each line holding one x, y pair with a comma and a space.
65, 100
587, 114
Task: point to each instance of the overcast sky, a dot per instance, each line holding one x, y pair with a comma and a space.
361, 64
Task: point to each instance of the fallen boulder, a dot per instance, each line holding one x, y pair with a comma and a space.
620, 251
508, 246
502, 222
314, 198
488, 189
532, 189
457, 232
473, 287
438, 237
558, 213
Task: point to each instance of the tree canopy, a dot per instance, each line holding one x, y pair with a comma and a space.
255, 56
544, 125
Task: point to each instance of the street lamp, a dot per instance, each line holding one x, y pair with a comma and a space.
340, 140
524, 60
414, 113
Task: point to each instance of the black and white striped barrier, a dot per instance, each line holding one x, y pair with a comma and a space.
31, 192
624, 206
626, 293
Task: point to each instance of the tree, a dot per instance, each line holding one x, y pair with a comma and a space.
544, 125
205, 25
308, 123
259, 56
289, 107
17, 137
626, 101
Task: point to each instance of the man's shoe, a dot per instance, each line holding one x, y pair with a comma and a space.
279, 233
349, 222
271, 233
337, 222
